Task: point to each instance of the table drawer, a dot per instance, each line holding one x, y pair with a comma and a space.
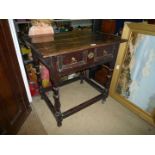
71, 60
86, 57
104, 52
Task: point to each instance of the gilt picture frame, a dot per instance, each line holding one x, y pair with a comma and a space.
133, 81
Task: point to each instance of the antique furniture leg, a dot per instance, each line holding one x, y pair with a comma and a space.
111, 67
81, 76
39, 80
107, 85
105, 95
55, 81
57, 106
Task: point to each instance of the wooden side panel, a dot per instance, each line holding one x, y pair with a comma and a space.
14, 105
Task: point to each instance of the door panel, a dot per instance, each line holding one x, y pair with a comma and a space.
14, 105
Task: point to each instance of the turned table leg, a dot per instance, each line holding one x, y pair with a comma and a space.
81, 76
57, 106
39, 80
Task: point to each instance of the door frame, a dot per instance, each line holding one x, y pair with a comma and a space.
19, 57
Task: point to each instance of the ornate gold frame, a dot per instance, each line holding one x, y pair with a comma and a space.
128, 29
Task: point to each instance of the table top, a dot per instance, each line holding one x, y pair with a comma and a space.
75, 41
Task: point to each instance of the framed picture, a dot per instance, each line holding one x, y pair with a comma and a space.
133, 82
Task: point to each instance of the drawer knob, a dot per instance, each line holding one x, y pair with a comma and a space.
105, 52
90, 55
74, 60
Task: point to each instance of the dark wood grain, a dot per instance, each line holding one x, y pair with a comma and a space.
14, 104
69, 53
73, 41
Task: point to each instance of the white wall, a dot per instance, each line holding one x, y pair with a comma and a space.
19, 57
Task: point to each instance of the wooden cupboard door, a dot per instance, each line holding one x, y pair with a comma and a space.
14, 104
108, 26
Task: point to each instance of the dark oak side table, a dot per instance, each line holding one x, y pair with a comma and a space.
69, 53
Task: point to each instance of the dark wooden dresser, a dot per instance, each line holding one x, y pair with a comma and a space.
69, 53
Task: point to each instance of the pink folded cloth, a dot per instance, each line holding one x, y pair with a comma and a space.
41, 30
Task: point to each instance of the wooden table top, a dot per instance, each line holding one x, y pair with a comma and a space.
75, 41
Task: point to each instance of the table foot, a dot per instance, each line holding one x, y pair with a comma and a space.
59, 118
59, 123
105, 95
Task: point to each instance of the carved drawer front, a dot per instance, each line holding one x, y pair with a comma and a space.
104, 52
71, 60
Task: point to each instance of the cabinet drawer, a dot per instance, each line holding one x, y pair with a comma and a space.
104, 52
71, 60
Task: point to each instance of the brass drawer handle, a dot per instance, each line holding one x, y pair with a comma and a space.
74, 60
91, 55
105, 52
